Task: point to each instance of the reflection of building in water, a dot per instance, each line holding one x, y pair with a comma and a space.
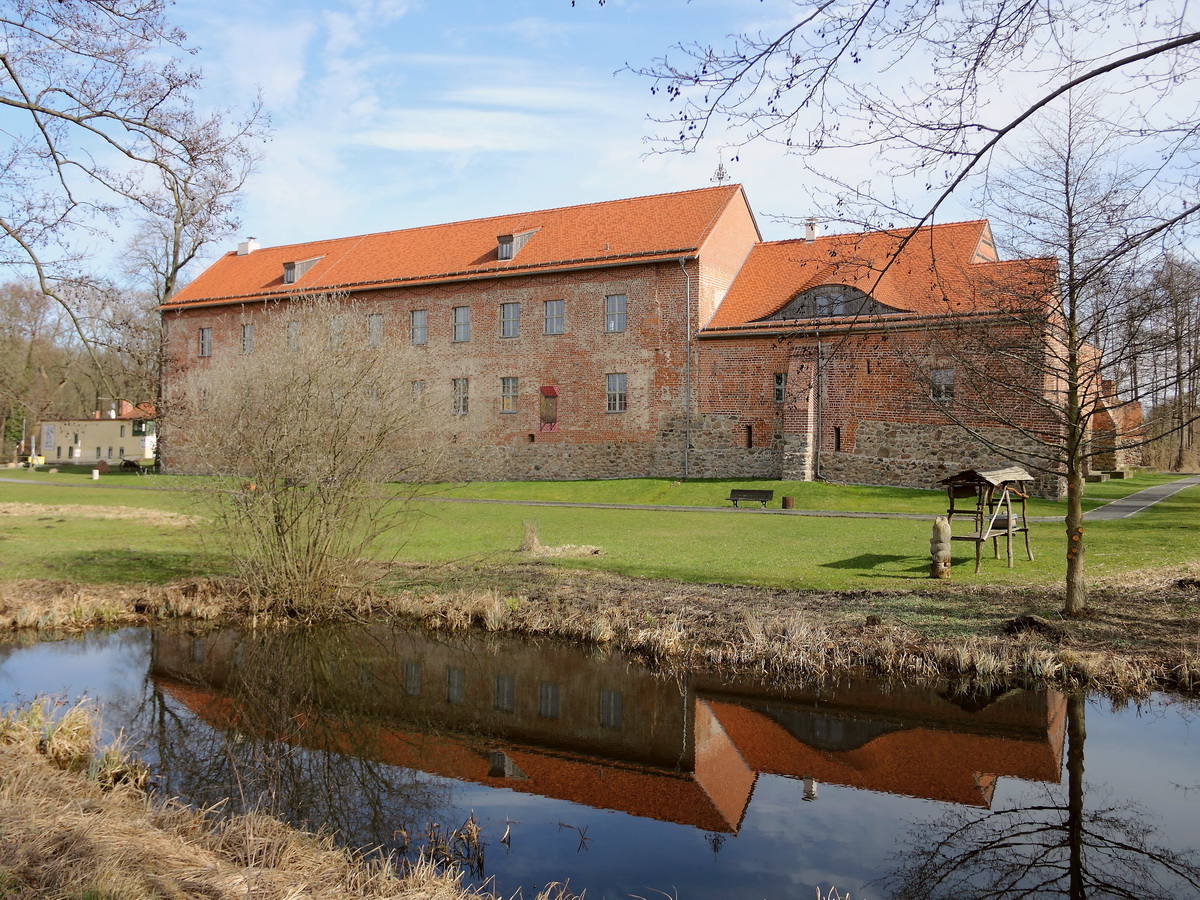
599, 730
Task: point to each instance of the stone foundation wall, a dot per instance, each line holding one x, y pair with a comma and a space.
920, 456
717, 451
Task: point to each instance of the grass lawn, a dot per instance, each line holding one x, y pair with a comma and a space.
806, 494
795, 551
741, 548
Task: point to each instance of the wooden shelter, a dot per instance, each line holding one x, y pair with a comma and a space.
987, 497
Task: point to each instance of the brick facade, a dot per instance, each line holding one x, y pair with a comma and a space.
711, 388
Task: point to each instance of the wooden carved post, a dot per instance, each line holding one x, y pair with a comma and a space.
939, 548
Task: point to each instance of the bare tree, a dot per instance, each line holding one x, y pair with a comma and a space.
1165, 376
305, 435
984, 77
1051, 846
1075, 210
98, 125
934, 88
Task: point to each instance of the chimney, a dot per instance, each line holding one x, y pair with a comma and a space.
810, 230
248, 246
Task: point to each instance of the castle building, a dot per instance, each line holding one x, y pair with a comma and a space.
661, 336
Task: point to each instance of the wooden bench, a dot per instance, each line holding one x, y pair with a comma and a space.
764, 497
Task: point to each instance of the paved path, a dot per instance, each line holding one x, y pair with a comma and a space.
1115, 509
1135, 503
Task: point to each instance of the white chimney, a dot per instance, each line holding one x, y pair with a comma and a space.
248, 246
810, 230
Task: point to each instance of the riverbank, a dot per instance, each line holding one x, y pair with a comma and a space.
1142, 634
77, 822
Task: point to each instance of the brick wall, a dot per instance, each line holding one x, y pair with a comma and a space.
858, 407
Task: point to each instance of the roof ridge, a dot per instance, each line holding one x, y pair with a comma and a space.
513, 215
877, 231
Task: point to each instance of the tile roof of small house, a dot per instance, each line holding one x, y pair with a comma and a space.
938, 270
650, 228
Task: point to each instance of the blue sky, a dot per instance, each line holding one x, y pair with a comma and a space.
397, 113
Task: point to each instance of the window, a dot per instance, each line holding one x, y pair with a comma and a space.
418, 323
456, 685
337, 332
121, 452
548, 700
141, 428
508, 395
555, 310
458, 395
780, 387
510, 320
941, 384
462, 323
247, 339
374, 329
98, 454
294, 271
110, 456
206, 342
506, 693
610, 709
617, 397
58, 452
504, 247
412, 679
418, 391
293, 335
501, 765
837, 438
614, 312
122, 431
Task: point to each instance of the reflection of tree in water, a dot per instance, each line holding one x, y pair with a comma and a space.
1059, 847
289, 739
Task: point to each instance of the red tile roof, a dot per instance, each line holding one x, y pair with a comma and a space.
916, 762
713, 800
641, 228
941, 269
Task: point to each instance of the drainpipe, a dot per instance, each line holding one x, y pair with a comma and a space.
820, 390
687, 372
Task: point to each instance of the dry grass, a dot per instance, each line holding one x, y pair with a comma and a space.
1143, 633
532, 546
62, 606
1142, 636
77, 511
68, 833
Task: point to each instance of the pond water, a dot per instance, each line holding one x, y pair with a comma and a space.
588, 767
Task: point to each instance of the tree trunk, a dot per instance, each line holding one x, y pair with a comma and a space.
1076, 604
1076, 733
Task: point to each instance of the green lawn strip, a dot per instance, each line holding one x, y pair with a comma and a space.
101, 551
794, 551
738, 548
806, 494
173, 496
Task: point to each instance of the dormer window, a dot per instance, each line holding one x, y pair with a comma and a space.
830, 301
509, 245
294, 271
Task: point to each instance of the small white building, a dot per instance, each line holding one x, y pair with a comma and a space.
125, 432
